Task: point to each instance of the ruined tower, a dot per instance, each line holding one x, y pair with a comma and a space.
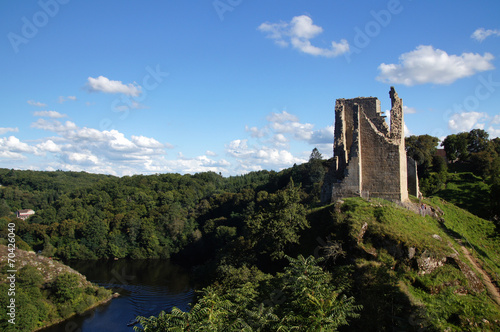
369, 157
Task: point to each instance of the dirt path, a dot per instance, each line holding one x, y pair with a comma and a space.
490, 287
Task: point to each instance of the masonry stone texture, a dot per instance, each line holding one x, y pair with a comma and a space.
369, 156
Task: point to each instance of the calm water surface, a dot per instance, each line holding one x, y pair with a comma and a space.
146, 287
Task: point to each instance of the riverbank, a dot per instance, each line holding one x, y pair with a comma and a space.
93, 307
44, 291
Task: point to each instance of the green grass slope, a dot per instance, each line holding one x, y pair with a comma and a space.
409, 268
467, 191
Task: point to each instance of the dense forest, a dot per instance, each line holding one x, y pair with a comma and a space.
268, 254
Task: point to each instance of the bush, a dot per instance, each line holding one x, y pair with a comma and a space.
66, 287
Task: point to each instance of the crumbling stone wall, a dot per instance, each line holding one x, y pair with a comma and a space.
369, 157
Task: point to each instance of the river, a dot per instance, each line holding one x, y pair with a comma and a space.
146, 287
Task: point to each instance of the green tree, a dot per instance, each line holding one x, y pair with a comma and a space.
95, 237
66, 287
477, 140
456, 146
4, 209
278, 225
421, 149
315, 155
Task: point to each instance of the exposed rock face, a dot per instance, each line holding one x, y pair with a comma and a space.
428, 263
369, 157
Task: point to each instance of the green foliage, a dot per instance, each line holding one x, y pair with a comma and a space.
305, 300
66, 287
421, 149
244, 225
315, 155
455, 146
277, 223
38, 303
313, 303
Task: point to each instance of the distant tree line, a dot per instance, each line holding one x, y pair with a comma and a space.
471, 153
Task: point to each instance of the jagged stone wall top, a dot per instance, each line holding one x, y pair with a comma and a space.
369, 157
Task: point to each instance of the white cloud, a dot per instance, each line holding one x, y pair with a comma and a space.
323, 136
49, 114
62, 99
282, 117
104, 84
409, 110
53, 125
280, 140
256, 132
299, 32
496, 119
187, 165
300, 131
408, 132
6, 130
238, 148
49, 146
210, 153
146, 142
494, 132
466, 121
36, 103
481, 34
12, 144
428, 65
82, 158
101, 150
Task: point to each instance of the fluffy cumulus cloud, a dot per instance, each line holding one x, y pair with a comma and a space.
12, 148
298, 33
71, 147
466, 121
481, 34
49, 146
282, 142
104, 84
253, 158
428, 65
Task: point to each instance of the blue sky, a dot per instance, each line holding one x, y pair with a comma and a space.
231, 86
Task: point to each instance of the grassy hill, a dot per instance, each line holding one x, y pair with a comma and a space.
411, 268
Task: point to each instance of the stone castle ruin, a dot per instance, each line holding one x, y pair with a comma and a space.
369, 157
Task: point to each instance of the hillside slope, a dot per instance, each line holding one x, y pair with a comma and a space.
45, 291
434, 266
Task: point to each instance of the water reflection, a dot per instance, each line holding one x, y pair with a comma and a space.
146, 288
